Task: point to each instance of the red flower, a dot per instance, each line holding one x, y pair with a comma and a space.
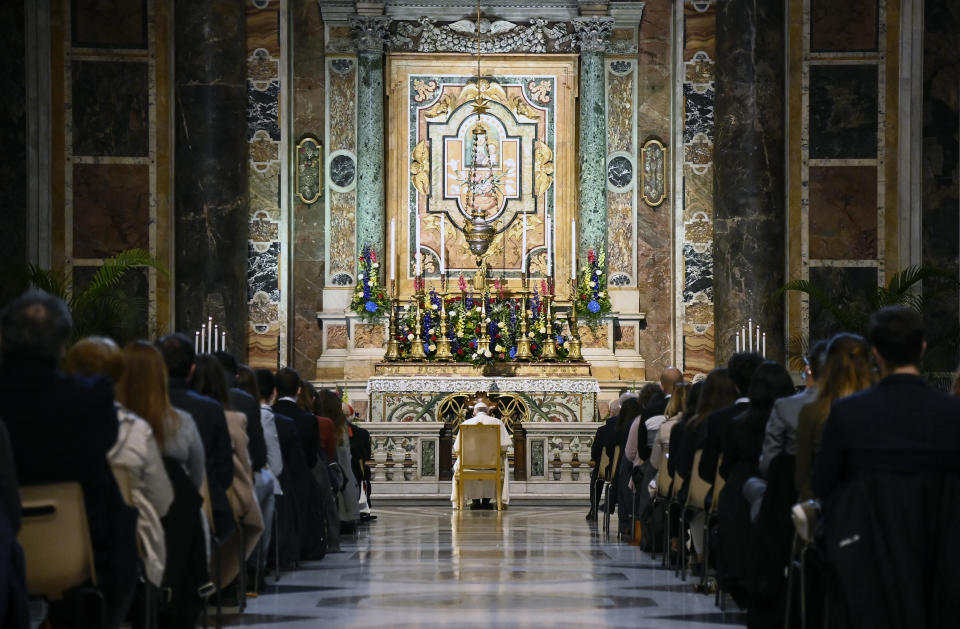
379, 295
433, 338
533, 346
498, 336
460, 352
584, 297
373, 255
591, 256
501, 356
477, 330
473, 344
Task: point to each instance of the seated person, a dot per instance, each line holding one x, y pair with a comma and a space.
482, 490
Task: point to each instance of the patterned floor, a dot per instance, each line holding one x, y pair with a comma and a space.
527, 567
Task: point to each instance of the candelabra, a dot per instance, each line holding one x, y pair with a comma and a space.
574, 346
416, 346
443, 344
549, 351
523, 343
393, 346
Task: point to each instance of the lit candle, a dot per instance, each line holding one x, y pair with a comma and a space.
196, 342
750, 333
764, 344
215, 337
549, 241
523, 250
203, 338
743, 339
209, 334
223, 341
393, 249
758, 339
736, 339
417, 234
443, 260
573, 250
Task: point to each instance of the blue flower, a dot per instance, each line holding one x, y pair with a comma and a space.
370, 306
559, 339
513, 352
593, 306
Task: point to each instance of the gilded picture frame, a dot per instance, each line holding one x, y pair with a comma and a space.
309, 170
653, 172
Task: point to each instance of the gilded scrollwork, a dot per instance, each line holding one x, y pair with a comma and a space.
420, 168
519, 106
654, 176
543, 168
491, 90
424, 89
442, 108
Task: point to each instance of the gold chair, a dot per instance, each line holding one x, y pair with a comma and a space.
56, 539
480, 458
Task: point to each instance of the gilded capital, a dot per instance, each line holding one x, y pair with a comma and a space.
592, 33
370, 33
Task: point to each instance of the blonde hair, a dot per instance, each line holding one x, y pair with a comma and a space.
95, 356
678, 400
144, 389
846, 369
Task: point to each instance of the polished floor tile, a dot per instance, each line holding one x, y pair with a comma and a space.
527, 567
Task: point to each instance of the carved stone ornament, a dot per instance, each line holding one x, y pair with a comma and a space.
370, 33
593, 33
309, 170
495, 36
654, 159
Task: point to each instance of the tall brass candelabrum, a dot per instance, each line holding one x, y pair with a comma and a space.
523, 343
393, 346
443, 343
483, 343
549, 352
574, 345
416, 346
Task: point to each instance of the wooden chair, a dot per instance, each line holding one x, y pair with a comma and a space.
696, 501
480, 458
663, 495
56, 539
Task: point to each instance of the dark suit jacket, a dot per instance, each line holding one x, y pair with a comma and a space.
306, 423
212, 425
900, 425
61, 428
360, 450
9, 486
717, 425
603, 439
242, 401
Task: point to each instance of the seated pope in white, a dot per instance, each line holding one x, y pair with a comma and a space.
478, 489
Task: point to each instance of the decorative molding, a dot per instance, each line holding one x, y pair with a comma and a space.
497, 36
426, 384
370, 33
592, 34
653, 173
309, 174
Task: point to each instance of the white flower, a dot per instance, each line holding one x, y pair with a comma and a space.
600, 294
487, 353
359, 276
430, 331
501, 324
453, 313
498, 348
375, 265
474, 357
592, 284
478, 308
433, 347
598, 272
530, 334
487, 319
543, 329
433, 306
410, 336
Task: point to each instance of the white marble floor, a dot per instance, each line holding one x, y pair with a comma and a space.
527, 567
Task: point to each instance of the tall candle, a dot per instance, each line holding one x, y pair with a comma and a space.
736, 340
743, 339
443, 259
393, 249
523, 248
196, 342
215, 337
223, 341
417, 257
547, 236
573, 249
209, 334
757, 348
764, 344
203, 338
750, 333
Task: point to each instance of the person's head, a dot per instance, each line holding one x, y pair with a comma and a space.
228, 361
770, 382
669, 378
814, 362
329, 405
34, 326
847, 367
307, 398
614, 408
719, 391
481, 408
896, 334
741, 366
209, 379
247, 381
348, 411
266, 384
629, 411
678, 401
693, 397
647, 393
288, 383
143, 388
95, 356
178, 354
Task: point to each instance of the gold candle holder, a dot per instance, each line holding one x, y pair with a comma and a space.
443, 343
393, 346
574, 345
549, 352
523, 343
483, 343
416, 347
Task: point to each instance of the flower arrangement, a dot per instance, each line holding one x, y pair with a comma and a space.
369, 301
593, 301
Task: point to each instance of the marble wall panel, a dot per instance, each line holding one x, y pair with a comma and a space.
843, 212
698, 272
111, 209
626, 337
263, 110
337, 337
941, 175
620, 108
263, 270
263, 26
13, 168
843, 112
342, 103
110, 111
843, 26
700, 28
620, 237
368, 336
698, 350
844, 286
342, 242
109, 23
698, 110
263, 346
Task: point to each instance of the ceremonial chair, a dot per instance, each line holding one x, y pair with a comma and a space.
480, 458
55, 537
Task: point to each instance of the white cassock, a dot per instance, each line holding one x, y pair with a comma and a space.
476, 489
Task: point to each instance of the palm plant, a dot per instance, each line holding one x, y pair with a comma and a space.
102, 306
853, 316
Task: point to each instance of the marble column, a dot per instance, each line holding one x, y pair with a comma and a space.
369, 33
210, 183
750, 209
592, 35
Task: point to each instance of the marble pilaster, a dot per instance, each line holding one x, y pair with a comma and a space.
370, 34
211, 176
592, 35
748, 184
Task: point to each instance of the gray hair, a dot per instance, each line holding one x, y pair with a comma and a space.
36, 324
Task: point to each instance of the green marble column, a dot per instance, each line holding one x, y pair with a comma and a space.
369, 33
592, 35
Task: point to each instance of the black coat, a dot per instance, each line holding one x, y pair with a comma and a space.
291, 506
211, 423
242, 401
716, 433
186, 567
307, 426
360, 450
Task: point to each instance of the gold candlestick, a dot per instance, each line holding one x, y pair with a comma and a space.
549, 352
483, 343
393, 346
523, 343
574, 345
443, 343
416, 347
